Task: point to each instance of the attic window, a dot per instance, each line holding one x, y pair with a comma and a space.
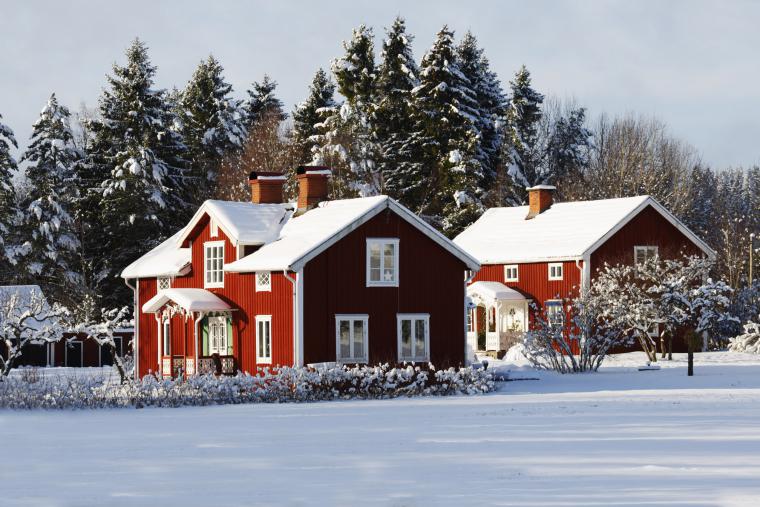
164, 283
263, 281
382, 262
642, 254
555, 271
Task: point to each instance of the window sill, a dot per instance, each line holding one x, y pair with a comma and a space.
381, 284
213, 286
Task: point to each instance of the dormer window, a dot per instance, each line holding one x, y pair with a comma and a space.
382, 262
213, 264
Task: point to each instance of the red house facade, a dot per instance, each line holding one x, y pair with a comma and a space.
544, 253
263, 284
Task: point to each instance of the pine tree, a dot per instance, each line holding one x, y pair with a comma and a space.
446, 107
523, 151
46, 223
491, 105
211, 124
7, 201
135, 173
262, 103
394, 125
567, 148
307, 114
345, 138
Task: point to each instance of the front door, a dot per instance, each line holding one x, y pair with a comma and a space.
217, 334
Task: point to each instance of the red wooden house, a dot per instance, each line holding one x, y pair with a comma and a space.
544, 252
264, 283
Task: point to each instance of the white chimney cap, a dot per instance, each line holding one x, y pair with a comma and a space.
542, 187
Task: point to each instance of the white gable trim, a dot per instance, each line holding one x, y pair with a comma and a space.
205, 210
666, 214
405, 214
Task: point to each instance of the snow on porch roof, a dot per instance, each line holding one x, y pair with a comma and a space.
494, 291
191, 300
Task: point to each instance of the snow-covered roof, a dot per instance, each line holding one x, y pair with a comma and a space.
192, 300
565, 231
306, 236
26, 294
164, 260
244, 223
493, 291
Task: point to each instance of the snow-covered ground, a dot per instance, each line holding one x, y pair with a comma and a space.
615, 438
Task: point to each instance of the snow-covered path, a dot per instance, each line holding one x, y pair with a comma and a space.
619, 437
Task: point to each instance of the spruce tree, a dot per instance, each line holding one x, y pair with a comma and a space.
46, 223
307, 114
491, 105
262, 103
523, 152
7, 201
136, 168
211, 125
446, 106
394, 124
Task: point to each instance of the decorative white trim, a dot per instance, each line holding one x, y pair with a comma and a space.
263, 281
216, 321
555, 266
166, 336
511, 272
396, 271
207, 284
163, 283
213, 228
261, 358
400, 317
351, 318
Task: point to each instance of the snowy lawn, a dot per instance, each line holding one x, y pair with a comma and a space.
617, 437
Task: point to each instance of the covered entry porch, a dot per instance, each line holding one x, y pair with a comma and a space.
498, 316
194, 332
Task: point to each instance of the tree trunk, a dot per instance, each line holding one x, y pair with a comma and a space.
691, 362
670, 347
118, 364
662, 347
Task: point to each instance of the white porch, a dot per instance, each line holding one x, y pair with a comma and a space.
498, 315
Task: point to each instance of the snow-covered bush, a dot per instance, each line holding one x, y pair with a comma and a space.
287, 384
749, 341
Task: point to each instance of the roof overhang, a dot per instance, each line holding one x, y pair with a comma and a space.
190, 300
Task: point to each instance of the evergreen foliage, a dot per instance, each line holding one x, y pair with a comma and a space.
7, 199
261, 103
306, 115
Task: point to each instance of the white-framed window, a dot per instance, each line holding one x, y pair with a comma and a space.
213, 228
511, 273
213, 264
263, 281
167, 338
351, 338
382, 262
555, 271
218, 340
555, 314
413, 336
164, 283
263, 338
642, 254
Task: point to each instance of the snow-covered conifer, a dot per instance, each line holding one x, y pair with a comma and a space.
7, 196
261, 103
306, 115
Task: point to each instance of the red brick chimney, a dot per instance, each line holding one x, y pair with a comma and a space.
539, 199
312, 186
266, 187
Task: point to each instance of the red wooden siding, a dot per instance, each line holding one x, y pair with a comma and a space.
239, 292
648, 228
431, 280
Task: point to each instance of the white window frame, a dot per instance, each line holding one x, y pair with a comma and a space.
166, 338
647, 249
415, 358
561, 271
206, 283
263, 287
351, 318
382, 242
164, 280
212, 323
507, 269
261, 358
554, 303
213, 228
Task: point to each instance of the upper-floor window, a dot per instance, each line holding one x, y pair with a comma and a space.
642, 254
555, 315
263, 281
511, 273
413, 337
164, 283
555, 271
213, 262
351, 338
382, 262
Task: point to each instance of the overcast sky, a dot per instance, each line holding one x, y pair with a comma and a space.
694, 64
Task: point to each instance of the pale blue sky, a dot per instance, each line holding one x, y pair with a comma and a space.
692, 63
